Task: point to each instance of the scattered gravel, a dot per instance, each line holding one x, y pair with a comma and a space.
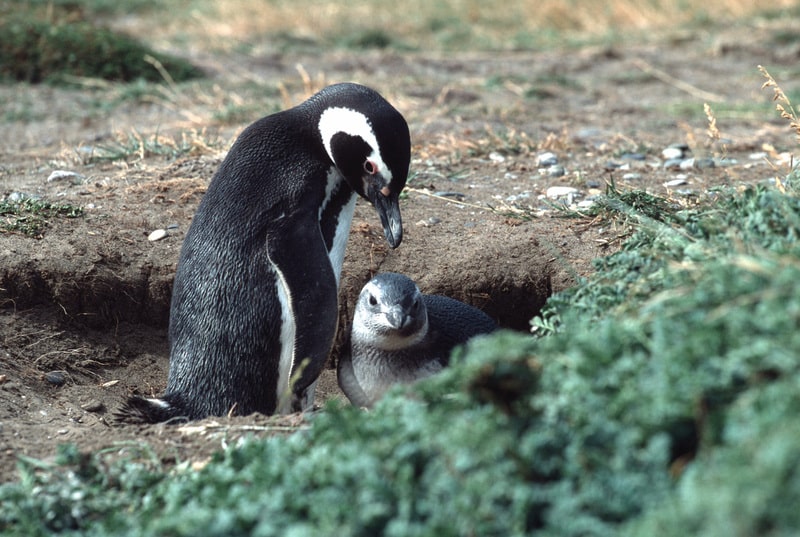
636, 167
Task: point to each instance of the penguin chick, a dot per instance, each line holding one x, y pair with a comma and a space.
400, 335
254, 304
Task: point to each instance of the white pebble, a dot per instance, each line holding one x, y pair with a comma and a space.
546, 160
496, 157
672, 152
676, 182
58, 175
157, 235
560, 191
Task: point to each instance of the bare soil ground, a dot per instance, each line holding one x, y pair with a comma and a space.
90, 298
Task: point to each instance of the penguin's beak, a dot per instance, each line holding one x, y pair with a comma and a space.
397, 318
387, 204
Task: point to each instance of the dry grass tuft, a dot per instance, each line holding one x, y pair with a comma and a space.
309, 86
784, 105
786, 110
442, 25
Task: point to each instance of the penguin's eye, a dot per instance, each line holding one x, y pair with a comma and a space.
370, 167
372, 300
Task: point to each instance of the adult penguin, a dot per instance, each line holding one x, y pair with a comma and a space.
255, 301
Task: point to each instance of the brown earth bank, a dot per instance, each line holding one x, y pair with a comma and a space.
85, 306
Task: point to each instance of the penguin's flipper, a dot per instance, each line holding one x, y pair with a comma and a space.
299, 256
348, 382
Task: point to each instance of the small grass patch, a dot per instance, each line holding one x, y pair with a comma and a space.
31, 217
133, 146
35, 50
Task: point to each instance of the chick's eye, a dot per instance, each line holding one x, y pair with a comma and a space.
370, 167
372, 300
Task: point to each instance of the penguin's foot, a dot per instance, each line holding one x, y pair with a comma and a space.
138, 410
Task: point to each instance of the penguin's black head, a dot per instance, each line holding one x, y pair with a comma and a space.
368, 141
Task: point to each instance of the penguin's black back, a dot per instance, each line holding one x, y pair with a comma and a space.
451, 323
262, 238
223, 264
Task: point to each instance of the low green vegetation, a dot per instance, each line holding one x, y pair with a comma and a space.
661, 397
36, 49
31, 216
133, 146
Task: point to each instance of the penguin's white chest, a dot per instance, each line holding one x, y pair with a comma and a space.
335, 182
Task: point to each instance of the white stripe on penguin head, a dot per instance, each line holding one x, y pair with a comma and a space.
349, 121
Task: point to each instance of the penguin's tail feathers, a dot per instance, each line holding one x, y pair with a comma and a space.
139, 410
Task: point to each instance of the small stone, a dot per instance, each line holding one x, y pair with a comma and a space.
676, 182
58, 175
585, 204
632, 176
496, 157
687, 164
517, 197
723, 162
157, 235
675, 151
555, 192
428, 222
172, 227
760, 155
545, 160
632, 156
93, 405
703, 163
673, 163
612, 165
448, 194
56, 378
556, 170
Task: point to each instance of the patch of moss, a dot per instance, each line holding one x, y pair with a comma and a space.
31, 216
